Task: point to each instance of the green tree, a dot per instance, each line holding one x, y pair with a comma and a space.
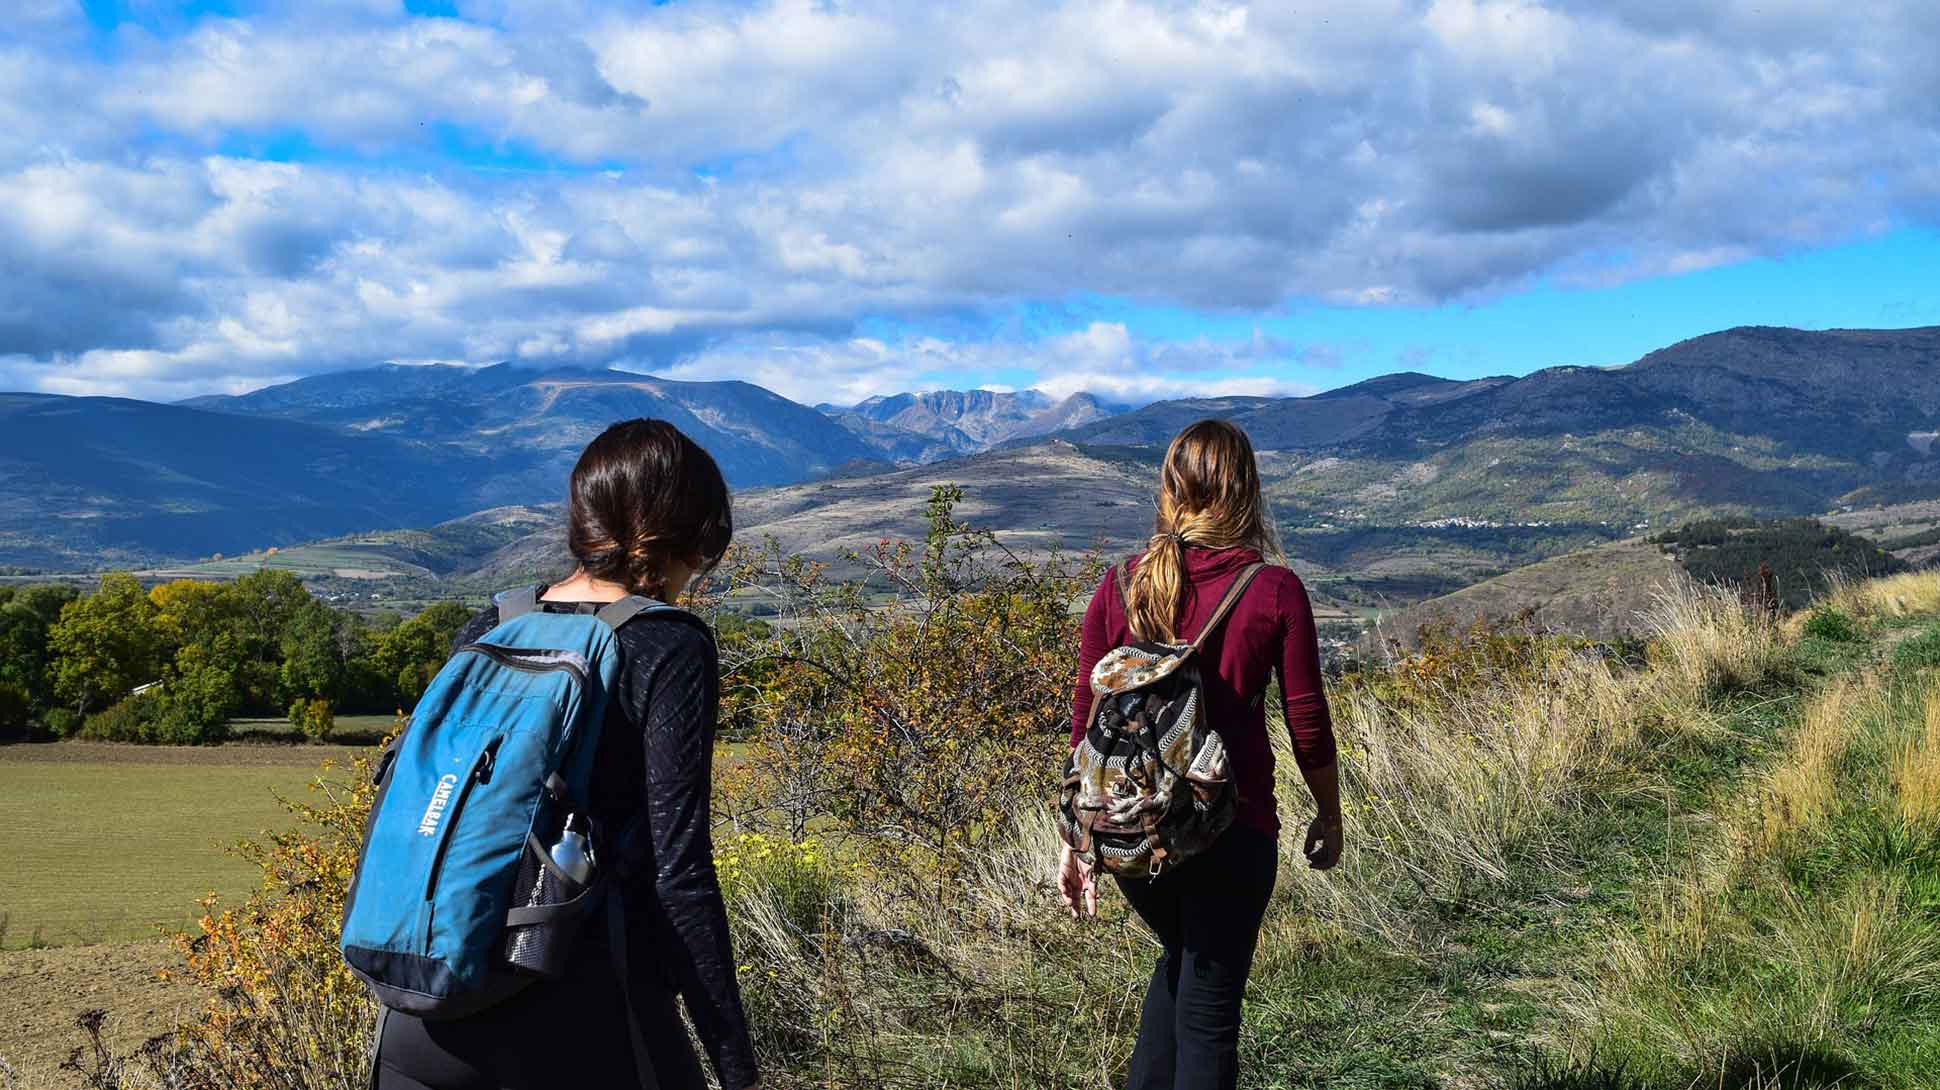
23, 660
411, 653
312, 653
200, 693
16, 710
45, 600
105, 644
264, 606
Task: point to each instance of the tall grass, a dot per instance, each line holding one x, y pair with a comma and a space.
1706, 642
1916, 771
1463, 790
1909, 594
1802, 949
1474, 783
849, 986
1461, 784
1799, 791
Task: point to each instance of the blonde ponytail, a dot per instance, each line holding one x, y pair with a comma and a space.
1209, 496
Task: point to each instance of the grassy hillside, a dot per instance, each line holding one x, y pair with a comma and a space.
1602, 592
388, 566
1717, 869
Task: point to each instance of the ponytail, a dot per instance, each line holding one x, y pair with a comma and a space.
1209, 495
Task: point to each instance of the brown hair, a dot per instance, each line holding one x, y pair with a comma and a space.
1209, 495
642, 494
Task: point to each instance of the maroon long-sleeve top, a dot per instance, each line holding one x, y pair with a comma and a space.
1272, 628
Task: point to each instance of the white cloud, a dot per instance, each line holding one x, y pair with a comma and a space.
1104, 358
749, 177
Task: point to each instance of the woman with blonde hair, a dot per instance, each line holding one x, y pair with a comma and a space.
1212, 529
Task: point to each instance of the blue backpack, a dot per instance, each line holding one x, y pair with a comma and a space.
456, 903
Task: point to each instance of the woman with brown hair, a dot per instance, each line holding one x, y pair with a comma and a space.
647, 512
1206, 911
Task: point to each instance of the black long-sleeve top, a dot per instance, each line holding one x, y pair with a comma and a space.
656, 751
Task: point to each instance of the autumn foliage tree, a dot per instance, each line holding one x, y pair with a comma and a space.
916, 706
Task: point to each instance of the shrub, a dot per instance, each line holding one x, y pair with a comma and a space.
313, 718
285, 1012
1919, 651
131, 720
1829, 622
918, 706
15, 709
61, 722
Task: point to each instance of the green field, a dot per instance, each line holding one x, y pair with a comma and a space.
105, 842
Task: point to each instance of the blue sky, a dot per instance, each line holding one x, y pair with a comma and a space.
1141, 198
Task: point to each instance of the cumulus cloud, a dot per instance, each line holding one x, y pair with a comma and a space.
717, 188
1103, 358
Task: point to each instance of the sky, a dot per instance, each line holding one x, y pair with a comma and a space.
1140, 198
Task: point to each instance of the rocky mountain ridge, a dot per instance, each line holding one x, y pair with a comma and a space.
1465, 477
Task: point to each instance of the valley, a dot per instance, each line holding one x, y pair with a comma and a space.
392, 485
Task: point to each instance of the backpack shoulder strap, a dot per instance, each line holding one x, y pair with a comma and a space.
520, 601
1240, 582
616, 614
516, 602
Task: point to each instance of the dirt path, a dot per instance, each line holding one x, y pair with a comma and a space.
241, 756
42, 991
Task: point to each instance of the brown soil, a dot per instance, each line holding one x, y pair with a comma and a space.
247, 756
43, 991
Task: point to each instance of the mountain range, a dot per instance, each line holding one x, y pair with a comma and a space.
927, 427
1431, 474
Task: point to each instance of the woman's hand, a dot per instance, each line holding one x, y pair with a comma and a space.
1323, 845
1076, 886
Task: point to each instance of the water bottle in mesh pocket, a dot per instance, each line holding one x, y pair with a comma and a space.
547, 914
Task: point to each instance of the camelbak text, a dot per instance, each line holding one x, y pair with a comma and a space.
439, 800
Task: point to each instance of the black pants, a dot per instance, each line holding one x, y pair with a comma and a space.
571, 1033
1207, 915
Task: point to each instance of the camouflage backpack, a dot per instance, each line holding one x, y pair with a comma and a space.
1148, 787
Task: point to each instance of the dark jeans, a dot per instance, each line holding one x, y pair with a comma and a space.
1207, 915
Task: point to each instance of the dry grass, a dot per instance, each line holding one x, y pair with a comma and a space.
1474, 785
1906, 595
1700, 981
1705, 641
1799, 791
1916, 771
1442, 797
850, 985
1796, 946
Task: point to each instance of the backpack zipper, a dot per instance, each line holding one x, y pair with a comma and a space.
481, 770
529, 660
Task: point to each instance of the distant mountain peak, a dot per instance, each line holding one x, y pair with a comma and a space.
923, 426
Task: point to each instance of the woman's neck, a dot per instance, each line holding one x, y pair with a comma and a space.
580, 587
